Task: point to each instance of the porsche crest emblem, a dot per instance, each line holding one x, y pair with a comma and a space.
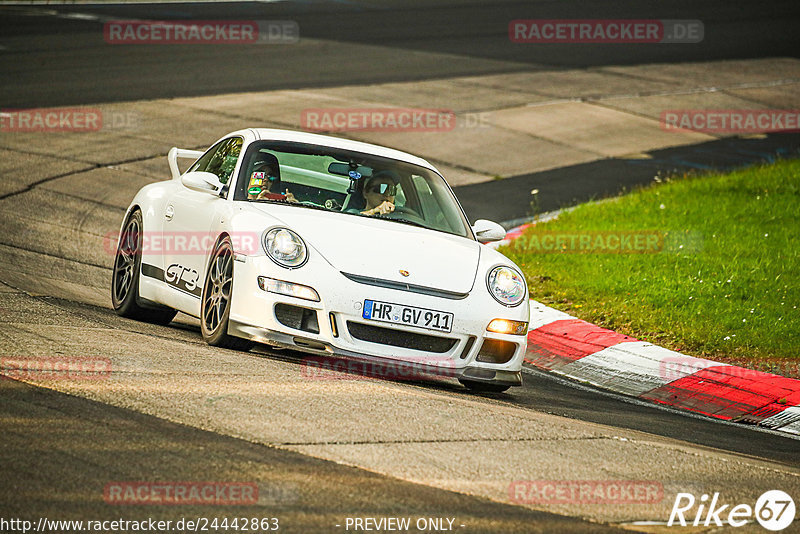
404, 273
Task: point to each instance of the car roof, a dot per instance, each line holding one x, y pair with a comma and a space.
271, 134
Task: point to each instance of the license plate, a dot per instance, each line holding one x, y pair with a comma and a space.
388, 312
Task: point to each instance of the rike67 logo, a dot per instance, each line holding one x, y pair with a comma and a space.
774, 510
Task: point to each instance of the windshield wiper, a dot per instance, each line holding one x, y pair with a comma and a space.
310, 206
406, 221
287, 203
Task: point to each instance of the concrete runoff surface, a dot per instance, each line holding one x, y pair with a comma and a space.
499, 137
499, 131
352, 43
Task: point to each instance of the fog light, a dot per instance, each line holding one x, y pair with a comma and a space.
289, 289
504, 326
496, 351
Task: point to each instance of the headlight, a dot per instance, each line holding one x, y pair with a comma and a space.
285, 248
506, 285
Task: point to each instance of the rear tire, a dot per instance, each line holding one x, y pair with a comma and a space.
484, 387
215, 306
126, 273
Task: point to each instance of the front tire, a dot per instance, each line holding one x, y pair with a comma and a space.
126, 273
215, 306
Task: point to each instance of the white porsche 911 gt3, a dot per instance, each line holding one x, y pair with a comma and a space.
327, 246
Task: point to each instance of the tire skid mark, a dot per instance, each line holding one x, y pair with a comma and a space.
91, 167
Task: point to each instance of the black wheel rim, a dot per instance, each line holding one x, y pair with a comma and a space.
125, 264
218, 289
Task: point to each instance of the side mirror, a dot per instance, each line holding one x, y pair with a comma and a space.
202, 181
488, 231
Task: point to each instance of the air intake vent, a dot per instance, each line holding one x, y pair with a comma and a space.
496, 351
296, 317
397, 338
467, 347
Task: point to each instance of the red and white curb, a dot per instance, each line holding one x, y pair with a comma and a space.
562, 344
565, 345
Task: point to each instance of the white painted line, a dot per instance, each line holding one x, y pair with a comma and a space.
77, 16
786, 421
542, 315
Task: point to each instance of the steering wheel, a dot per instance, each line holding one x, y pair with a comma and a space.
402, 210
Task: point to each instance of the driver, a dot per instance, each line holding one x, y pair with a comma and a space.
379, 192
263, 180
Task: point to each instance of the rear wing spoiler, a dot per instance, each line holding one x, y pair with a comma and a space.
175, 153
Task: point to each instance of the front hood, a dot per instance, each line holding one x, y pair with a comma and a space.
381, 249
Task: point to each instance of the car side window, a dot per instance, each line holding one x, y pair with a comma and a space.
221, 159
202, 163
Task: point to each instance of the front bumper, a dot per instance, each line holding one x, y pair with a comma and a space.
337, 326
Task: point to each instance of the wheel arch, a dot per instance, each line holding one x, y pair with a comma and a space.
133, 207
210, 252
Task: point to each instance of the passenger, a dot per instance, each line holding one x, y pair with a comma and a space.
379, 192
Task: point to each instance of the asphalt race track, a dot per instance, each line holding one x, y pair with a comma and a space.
304, 492
322, 451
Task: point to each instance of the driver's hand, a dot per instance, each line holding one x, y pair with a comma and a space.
290, 196
382, 209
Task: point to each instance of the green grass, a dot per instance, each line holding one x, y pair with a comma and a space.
730, 293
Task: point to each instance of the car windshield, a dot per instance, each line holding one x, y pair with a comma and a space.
351, 183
